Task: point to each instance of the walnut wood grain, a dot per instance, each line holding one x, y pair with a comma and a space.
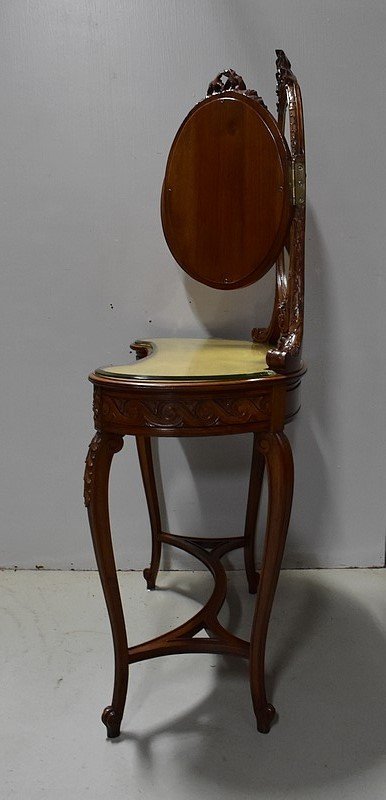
145, 457
254, 494
225, 202
276, 450
96, 478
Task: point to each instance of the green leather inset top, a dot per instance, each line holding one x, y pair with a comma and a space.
194, 359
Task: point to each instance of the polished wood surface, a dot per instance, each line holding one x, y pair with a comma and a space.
254, 494
276, 450
229, 141
225, 200
195, 408
149, 484
285, 331
96, 479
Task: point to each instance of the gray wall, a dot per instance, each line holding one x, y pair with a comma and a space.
92, 93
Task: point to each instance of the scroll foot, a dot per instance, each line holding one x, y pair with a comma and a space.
265, 717
277, 452
149, 578
112, 720
253, 582
145, 456
96, 481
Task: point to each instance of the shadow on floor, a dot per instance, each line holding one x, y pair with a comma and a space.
326, 676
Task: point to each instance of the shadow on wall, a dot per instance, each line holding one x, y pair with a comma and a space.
313, 435
325, 665
231, 313
218, 467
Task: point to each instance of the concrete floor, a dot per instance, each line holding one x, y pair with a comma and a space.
189, 731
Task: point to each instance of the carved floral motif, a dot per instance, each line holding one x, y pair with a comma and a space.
288, 94
297, 280
97, 404
234, 83
283, 68
89, 472
112, 443
286, 326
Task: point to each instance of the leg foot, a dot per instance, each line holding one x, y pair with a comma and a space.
147, 470
254, 494
96, 480
149, 578
112, 720
265, 717
278, 456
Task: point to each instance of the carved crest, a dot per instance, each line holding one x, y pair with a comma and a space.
284, 72
233, 82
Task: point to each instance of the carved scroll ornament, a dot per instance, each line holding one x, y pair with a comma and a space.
181, 412
102, 443
285, 331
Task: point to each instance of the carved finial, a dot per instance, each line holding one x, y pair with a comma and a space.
284, 74
233, 82
285, 330
283, 67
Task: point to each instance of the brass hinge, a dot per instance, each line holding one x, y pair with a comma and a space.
298, 182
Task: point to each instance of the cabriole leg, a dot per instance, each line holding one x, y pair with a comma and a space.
278, 457
254, 494
147, 470
96, 479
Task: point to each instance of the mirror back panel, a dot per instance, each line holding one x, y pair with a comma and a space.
225, 202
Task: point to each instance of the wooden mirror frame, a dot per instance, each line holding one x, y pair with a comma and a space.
285, 331
226, 201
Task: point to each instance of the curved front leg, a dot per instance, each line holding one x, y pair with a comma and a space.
254, 494
278, 457
147, 470
96, 479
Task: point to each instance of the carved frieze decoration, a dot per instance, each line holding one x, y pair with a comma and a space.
184, 412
